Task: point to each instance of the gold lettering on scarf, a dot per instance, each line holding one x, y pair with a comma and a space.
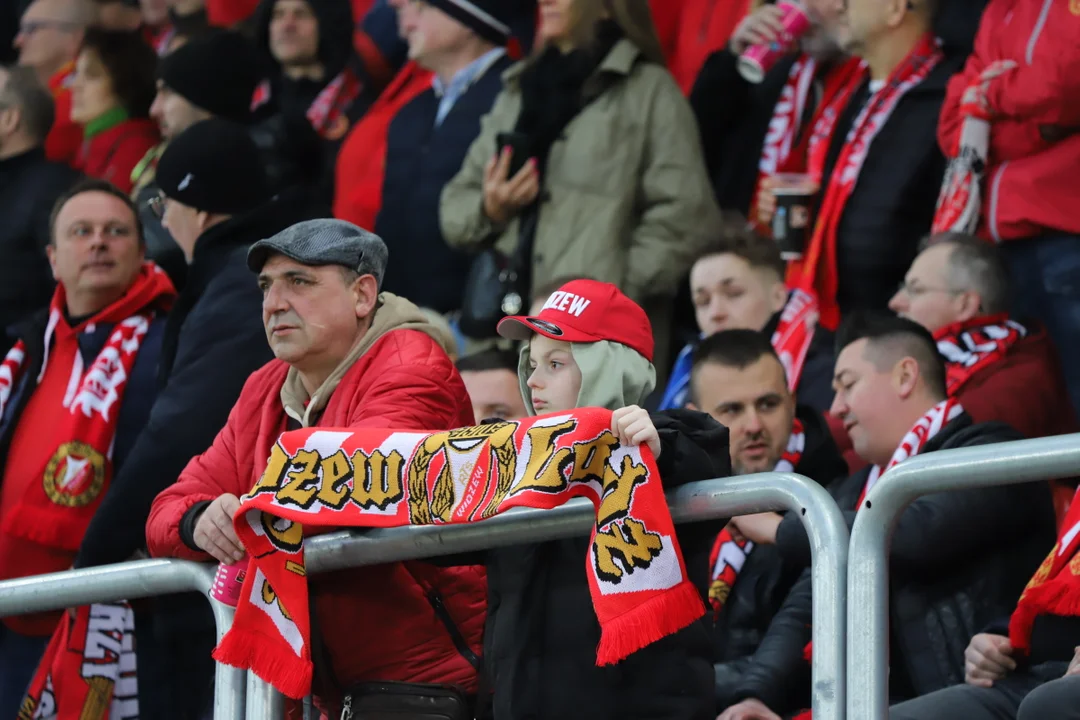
624, 546
302, 481
591, 458
270, 597
619, 490
285, 535
379, 479
336, 473
275, 470
544, 470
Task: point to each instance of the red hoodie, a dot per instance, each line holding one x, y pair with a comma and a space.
691, 30
1028, 186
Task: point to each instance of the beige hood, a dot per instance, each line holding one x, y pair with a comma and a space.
392, 313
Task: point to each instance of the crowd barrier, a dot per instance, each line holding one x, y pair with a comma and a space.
708, 500
868, 577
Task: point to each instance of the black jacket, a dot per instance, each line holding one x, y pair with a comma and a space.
958, 561
892, 206
766, 578
542, 633
214, 339
29, 185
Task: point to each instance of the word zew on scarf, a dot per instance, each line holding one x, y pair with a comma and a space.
382, 478
88, 670
794, 332
913, 443
729, 555
816, 272
1055, 587
970, 346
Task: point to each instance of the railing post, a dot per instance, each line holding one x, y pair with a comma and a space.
868, 577
263, 701
230, 684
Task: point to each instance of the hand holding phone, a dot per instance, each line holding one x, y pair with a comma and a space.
511, 181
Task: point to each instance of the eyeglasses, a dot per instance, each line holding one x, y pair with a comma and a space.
156, 203
914, 291
30, 27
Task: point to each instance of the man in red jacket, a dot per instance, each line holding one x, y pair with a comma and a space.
958, 289
347, 356
1021, 86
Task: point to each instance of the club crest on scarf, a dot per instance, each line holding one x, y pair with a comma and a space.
75, 475
340, 478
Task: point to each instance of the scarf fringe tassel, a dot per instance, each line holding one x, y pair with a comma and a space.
646, 623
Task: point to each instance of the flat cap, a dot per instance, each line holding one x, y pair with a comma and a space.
325, 242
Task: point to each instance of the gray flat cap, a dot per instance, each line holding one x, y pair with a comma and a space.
325, 242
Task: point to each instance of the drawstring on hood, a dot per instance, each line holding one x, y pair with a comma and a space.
612, 375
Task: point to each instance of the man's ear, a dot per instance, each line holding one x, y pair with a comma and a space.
970, 306
779, 296
905, 377
692, 406
50, 252
10, 120
366, 291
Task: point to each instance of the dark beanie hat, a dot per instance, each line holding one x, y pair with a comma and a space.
214, 166
217, 72
486, 18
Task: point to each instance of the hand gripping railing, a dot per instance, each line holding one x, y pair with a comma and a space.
707, 500
128, 581
868, 577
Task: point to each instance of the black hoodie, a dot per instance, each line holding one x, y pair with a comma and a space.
766, 577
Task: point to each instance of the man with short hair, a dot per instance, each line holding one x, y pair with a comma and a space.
959, 559
349, 356
958, 288
739, 283
29, 186
491, 379
739, 380
212, 76
463, 44
50, 35
75, 392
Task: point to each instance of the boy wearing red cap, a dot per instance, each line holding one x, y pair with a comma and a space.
591, 346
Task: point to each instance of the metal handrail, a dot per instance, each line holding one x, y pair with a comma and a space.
129, 581
868, 577
708, 500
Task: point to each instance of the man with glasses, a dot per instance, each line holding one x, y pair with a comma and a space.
958, 289
50, 35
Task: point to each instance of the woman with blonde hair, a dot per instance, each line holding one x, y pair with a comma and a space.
611, 179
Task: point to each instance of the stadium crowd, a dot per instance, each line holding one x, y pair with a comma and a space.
225, 220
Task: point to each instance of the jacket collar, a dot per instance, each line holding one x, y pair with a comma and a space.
619, 60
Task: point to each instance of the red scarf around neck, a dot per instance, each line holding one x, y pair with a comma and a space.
57, 511
970, 346
88, 669
786, 144
924, 430
1052, 590
327, 113
816, 271
321, 477
794, 333
728, 555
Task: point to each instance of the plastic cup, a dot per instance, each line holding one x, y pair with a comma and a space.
228, 581
791, 222
756, 62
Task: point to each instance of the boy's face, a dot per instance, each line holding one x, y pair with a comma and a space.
555, 380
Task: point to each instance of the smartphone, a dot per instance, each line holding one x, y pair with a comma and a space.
519, 146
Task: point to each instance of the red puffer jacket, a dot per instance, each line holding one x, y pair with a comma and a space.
1034, 138
377, 622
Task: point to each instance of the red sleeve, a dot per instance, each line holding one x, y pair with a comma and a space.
206, 477
226, 13
127, 156
64, 140
951, 120
1045, 89
665, 15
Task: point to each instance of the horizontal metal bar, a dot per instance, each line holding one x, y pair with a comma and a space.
868, 577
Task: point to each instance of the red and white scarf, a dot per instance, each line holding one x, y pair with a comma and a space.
57, 511
816, 271
960, 200
729, 555
1051, 591
969, 347
88, 670
327, 113
794, 333
321, 477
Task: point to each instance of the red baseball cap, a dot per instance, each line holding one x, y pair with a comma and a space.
586, 311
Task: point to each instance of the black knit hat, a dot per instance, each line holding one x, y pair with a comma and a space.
486, 18
214, 166
217, 72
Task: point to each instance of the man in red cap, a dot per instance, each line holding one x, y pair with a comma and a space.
591, 346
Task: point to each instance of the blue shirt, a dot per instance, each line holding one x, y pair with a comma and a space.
449, 93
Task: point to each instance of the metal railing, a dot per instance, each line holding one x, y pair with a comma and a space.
708, 500
130, 581
868, 577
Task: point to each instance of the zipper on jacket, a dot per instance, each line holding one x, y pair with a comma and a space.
1037, 30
